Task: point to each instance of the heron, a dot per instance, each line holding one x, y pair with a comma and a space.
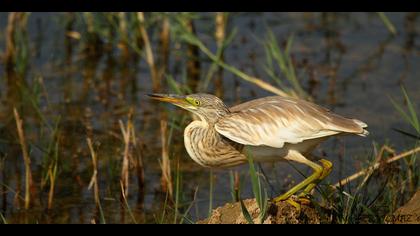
295, 127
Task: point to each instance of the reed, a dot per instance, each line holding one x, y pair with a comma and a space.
26, 159
124, 197
52, 175
105, 57
234, 185
193, 61
125, 178
368, 171
166, 178
3, 219
10, 41
178, 180
94, 181
164, 46
16, 56
387, 23
220, 36
284, 63
411, 115
138, 159
123, 44
256, 81
4, 183
149, 52
211, 190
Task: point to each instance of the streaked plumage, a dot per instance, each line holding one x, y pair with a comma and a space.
293, 126
217, 139
273, 121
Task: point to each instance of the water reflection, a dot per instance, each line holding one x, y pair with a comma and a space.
346, 61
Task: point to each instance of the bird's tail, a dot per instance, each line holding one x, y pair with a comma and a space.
363, 125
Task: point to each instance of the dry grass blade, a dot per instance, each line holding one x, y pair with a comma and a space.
51, 191
164, 46
125, 165
193, 62
220, 35
138, 162
387, 23
149, 53
94, 179
124, 198
10, 31
374, 167
166, 179
26, 159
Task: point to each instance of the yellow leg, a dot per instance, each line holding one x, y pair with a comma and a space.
294, 203
318, 170
327, 168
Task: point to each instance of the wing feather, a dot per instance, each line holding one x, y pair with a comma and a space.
274, 121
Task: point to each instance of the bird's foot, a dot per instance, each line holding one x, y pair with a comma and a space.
304, 199
295, 201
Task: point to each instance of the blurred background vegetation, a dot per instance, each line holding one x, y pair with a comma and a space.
80, 143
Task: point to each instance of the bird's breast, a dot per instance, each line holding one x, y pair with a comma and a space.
209, 149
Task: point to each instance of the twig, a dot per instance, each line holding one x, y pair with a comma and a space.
26, 159
377, 161
374, 167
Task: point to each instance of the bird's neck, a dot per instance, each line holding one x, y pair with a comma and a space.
207, 127
211, 117
199, 137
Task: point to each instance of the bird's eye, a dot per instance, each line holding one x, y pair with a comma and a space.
197, 103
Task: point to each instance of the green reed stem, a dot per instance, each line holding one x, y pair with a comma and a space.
178, 191
387, 23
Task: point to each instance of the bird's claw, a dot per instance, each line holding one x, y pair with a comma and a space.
296, 201
304, 200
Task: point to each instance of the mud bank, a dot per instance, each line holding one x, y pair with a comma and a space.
278, 213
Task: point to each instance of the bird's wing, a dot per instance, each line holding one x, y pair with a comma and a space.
273, 121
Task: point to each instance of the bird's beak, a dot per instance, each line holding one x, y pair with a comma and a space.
178, 100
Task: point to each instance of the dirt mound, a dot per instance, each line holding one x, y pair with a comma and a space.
278, 213
407, 214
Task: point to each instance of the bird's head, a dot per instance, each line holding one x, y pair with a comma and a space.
208, 107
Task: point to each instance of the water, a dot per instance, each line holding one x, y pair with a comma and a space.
355, 63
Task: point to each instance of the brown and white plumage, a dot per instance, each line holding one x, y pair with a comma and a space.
293, 126
274, 121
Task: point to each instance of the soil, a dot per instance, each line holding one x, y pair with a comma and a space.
278, 213
284, 213
407, 214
